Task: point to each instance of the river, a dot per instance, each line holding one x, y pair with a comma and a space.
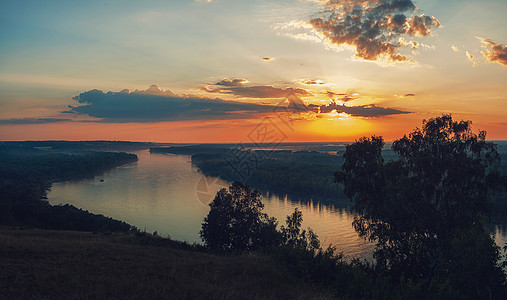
166, 194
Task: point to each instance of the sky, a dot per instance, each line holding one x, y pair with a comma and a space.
249, 71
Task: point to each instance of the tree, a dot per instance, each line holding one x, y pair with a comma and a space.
293, 236
236, 223
424, 206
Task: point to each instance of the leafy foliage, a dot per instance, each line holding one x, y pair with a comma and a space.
236, 222
425, 207
295, 237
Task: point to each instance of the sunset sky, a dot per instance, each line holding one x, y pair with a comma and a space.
224, 70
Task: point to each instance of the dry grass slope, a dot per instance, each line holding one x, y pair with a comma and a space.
45, 264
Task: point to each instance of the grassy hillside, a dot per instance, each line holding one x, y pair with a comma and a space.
46, 264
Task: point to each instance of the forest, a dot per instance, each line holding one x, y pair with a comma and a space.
425, 210
302, 173
26, 174
424, 200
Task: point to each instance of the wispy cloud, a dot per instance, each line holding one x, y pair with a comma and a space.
238, 88
312, 81
20, 121
368, 111
232, 82
471, 58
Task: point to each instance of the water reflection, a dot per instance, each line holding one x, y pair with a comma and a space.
165, 193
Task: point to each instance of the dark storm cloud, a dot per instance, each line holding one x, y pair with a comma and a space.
373, 27
139, 107
495, 52
409, 95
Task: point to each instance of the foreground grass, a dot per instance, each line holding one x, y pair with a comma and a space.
47, 264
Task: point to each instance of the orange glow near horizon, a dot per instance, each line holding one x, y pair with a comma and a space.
332, 127
341, 129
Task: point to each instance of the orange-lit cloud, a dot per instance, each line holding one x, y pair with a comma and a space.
373, 27
311, 81
494, 52
471, 58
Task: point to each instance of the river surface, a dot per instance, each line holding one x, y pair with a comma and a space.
166, 194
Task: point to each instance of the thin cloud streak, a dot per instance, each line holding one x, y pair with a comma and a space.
21, 121
236, 87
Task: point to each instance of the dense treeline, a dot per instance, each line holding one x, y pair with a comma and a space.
297, 173
304, 173
26, 174
78, 146
192, 149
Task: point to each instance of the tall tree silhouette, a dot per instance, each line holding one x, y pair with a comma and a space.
424, 208
236, 222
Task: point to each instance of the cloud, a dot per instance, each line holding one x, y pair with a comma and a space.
471, 58
494, 52
142, 107
152, 90
311, 81
333, 95
232, 82
373, 27
343, 97
237, 88
268, 58
368, 111
409, 95
454, 48
20, 121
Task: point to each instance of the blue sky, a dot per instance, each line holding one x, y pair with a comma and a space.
51, 51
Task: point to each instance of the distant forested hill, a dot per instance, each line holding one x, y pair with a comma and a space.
79, 146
